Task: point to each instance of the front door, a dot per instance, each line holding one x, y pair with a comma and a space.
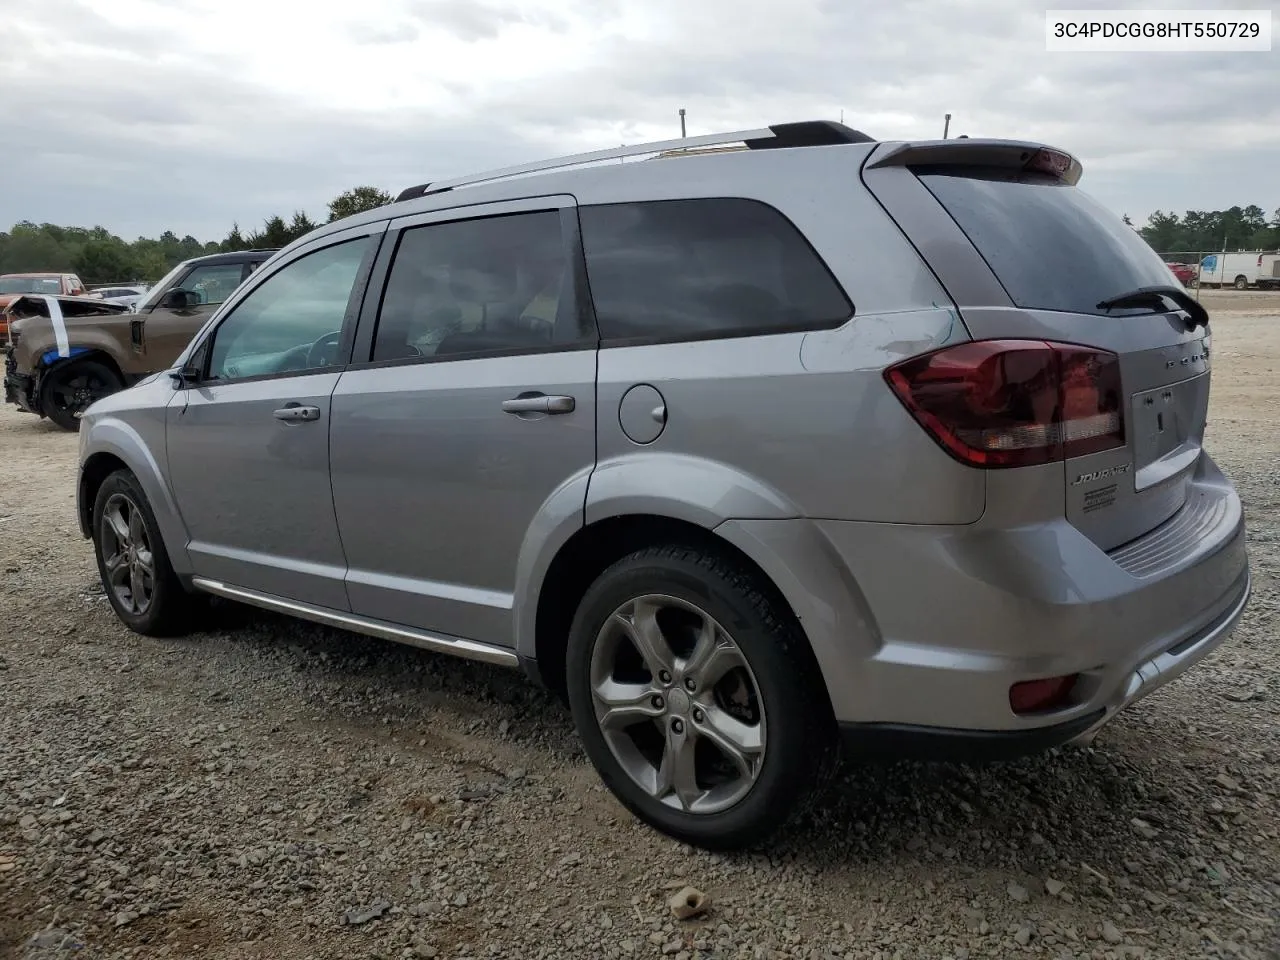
168, 330
248, 445
475, 406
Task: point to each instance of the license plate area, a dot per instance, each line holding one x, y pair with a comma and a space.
1168, 427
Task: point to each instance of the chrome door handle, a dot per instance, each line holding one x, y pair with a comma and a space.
296, 412
538, 404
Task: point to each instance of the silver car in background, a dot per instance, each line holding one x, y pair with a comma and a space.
752, 452
129, 296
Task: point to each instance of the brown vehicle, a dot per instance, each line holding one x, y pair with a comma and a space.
16, 284
66, 352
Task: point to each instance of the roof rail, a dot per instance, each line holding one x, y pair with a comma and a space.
813, 133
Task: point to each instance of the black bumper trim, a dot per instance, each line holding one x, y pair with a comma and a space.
899, 741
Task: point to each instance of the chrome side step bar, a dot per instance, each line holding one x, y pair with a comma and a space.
438, 643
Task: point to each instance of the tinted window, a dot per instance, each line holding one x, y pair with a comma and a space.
698, 268
1052, 246
293, 320
154, 293
214, 282
478, 286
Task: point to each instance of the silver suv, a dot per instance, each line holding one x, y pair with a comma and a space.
750, 452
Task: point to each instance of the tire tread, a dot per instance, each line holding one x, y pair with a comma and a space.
822, 760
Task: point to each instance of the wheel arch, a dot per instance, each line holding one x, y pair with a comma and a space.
112, 445
79, 355
585, 555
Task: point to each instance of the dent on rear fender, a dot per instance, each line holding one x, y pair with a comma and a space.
874, 341
682, 487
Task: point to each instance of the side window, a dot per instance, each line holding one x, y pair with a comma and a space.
293, 321
471, 287
693, 269
214, 282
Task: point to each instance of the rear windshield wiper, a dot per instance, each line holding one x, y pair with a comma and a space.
1157, 297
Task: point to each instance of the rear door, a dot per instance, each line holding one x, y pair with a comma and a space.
1027, 255
468, 408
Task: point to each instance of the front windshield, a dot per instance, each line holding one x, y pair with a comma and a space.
154, 296
30, 285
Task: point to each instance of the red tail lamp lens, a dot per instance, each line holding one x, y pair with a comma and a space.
1036, 696
1014, 403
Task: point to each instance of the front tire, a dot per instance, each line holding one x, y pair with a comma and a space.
68, 391
132, 561
697, 697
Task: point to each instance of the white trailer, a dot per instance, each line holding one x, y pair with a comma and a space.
1239, 270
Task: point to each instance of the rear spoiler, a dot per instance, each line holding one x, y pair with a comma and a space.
1007, 154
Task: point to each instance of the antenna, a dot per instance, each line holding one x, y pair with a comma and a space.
946, 125
682, 133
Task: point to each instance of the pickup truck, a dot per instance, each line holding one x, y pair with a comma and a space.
15, 284
65, 353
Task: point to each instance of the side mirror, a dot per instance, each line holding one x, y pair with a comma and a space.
184, 377
179, 299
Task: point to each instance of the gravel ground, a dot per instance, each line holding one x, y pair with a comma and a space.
268, 789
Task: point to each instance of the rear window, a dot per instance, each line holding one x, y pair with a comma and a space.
1051, 245
696, 269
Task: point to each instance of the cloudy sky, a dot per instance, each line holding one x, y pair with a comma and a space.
146, 115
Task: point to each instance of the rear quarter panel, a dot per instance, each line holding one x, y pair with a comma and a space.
798, 424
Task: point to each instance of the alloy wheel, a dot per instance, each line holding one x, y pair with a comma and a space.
677, 704
126, 554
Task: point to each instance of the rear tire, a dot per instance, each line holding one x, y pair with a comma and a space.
133, 563
1241, 283
697, 697
67, 391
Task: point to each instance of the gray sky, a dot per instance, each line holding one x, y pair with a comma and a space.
187, 115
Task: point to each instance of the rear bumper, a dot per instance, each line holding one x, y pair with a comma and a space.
887, 740
897, 741
921, 631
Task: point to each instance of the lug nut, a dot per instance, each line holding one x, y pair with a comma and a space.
664, 676
677, 726
658, 702
697, 715
690, 684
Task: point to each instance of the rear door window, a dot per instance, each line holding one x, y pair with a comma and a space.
1051, 245
490, 286
696, 269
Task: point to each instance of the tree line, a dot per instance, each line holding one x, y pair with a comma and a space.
1207, 231
98, 256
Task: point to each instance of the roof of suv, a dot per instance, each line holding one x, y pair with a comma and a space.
591, 173
235, 256
556, 175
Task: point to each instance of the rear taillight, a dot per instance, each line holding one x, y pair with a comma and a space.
1014, 403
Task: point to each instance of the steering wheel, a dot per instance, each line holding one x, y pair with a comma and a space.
315, 356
